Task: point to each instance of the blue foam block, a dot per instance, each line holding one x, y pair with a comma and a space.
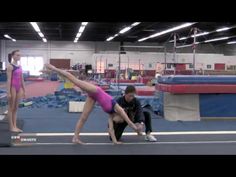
3, 77
2, 91
161, 103
217, 105
153, 101
114, 92
126, 84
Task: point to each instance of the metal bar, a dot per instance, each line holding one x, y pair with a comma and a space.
194, 49
106, 64
139, 66
165, 60
184, 46
128, 61
133, 46
118, 77
175, 53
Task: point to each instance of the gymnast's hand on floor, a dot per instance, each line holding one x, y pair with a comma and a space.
137, 129
134, 127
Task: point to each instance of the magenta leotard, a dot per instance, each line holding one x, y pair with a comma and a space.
105, 101
16, 77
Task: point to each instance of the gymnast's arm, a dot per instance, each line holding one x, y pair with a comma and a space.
111, 130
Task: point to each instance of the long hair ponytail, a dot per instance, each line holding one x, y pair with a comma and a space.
11, 54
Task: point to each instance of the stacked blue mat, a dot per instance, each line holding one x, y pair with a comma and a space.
114, 93
54, 77
3, 101
26, 74
126, 84
2, 91
217, 105
3, 77
58, 100
197, 79
154, 102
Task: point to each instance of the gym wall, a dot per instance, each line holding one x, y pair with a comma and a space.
86, 52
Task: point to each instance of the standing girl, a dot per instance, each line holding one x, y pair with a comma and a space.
15, 88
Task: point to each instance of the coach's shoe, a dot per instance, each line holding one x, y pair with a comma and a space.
150, 138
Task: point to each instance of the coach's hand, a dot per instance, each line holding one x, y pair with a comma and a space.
140, 128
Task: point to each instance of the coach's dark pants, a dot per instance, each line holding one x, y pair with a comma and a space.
120, 127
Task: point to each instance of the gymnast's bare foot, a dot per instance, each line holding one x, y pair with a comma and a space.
77, 141
118, 142
15, 130
19, 130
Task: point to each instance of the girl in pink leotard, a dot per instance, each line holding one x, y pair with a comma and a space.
15, 88
107, 103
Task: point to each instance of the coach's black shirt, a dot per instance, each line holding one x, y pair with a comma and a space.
133, 109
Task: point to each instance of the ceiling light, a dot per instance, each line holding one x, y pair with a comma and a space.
200, 34
41, 35
7, 36
231, 42
222, 29
110, 38
35, 26
81, 29
84, 23
143, 39
125, 30
167, 31
171, 29
135, 23
182, 38
217, 39
78, 35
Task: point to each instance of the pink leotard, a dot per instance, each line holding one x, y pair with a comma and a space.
105, 101
16, 77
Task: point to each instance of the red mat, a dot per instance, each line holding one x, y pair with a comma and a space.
148, 91
197, 88
145, 80
34, 79
36, 89
124, 81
